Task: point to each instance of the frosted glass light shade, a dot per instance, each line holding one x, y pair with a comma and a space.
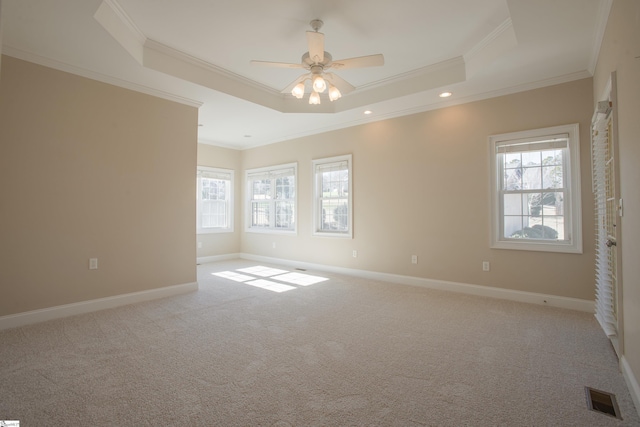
314, 99
298, 90
319, 85
334, 93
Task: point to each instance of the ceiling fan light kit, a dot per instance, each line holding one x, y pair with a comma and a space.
298, 90
319, 85
314, 98
317, 62
334, 93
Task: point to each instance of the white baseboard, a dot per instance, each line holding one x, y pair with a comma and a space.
485, 291
215, 258
632, 382
35, 316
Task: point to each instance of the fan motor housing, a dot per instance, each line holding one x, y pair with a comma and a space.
307, 62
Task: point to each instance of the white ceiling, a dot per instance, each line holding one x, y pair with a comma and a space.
198, 52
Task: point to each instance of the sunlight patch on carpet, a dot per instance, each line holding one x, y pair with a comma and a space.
291, 278
261, 271
300, 279
232, 275
271, 286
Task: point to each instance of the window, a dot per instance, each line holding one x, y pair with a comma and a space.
215, 200
332, 205
536, 190
272, 199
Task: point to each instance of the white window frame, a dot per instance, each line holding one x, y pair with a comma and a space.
317, 196
266, 172
222, 174
572, 200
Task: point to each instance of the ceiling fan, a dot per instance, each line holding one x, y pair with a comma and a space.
317, 62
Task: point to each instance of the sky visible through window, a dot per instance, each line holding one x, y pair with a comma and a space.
271, 279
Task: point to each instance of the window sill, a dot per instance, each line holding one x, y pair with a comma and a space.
215, 231
271, 231
538, 246
335, 235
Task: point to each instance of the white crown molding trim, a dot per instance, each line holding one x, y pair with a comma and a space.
218, 144
601, 26
488, 95
208, 67
165, 59
464, 288
178, 64
493, 35
216, 258
442, 74
632, 382
168, 60
126, 20
422, 108
93, 75
500, 41
418, 73
118, 24
42, 315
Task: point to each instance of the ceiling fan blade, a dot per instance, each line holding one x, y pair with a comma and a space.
291, 85
315, 40
359, 62
343, 86
276, 64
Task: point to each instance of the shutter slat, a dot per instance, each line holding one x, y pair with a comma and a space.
604, 294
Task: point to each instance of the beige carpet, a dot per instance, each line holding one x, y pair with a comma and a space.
340, 352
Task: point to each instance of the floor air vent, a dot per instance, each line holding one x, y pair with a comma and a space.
601, 401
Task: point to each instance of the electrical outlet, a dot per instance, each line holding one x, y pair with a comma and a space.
355, 254
414, 259
199, 245
274, 245
485, 266
93, 263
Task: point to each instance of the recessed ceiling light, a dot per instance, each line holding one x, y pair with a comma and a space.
445, 94
368, 112
247, 136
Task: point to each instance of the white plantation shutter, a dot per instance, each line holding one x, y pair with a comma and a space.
605, 313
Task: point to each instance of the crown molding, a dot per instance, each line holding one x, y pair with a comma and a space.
506, 25
601, 26
121, 27
94, 75
428, 107
487, 95
126, 20
446, 65
207, 66
218, 144
154, 55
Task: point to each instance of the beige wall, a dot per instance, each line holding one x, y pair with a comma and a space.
620, 52
91, 170
421, 186
222, 243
